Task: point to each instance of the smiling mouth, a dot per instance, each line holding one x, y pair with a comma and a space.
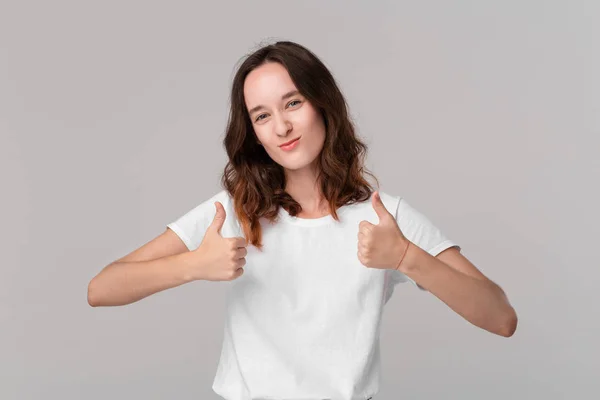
288, 143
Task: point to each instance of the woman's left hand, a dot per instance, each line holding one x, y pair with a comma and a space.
383, 245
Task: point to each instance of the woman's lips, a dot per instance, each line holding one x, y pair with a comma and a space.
291, 145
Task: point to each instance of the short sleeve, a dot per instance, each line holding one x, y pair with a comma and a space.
421, 231
191, 226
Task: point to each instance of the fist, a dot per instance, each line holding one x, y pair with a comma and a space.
219, 258
383, 245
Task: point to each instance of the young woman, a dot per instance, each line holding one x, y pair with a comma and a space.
311, 250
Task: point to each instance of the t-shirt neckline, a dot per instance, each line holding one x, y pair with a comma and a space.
327, 219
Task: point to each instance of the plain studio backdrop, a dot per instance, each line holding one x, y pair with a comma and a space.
483, 115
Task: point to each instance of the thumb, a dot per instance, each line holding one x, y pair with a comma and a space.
219, 219
379, 207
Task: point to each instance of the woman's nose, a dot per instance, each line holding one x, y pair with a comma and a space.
282, 125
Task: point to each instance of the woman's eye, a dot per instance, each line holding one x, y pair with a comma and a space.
291, 103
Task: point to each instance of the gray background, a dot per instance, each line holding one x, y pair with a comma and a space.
484, 115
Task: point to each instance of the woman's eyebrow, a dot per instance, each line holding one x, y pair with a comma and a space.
285, 96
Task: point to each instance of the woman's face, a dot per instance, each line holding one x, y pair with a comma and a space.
279, 113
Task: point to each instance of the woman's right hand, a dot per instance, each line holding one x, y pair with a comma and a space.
219, 258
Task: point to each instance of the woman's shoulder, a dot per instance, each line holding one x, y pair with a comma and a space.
223, 196
390, 199
365, 207
206, 207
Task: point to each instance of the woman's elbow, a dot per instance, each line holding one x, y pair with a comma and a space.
510, 324
92, 293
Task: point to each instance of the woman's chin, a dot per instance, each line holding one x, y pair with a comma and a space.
297, 166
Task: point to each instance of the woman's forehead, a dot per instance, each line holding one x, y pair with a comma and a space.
267, 83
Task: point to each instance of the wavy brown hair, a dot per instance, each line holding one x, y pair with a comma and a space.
257, 183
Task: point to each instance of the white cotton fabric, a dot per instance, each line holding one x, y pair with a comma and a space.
303, 321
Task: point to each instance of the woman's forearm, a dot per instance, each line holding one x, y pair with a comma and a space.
121, 283
480, 301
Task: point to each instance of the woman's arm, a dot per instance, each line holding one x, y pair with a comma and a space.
452, 278
126, 282
162, 263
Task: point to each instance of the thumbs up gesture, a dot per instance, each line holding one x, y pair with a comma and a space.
383, 245
220, 259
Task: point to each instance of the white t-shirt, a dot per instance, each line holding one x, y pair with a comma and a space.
303, 321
